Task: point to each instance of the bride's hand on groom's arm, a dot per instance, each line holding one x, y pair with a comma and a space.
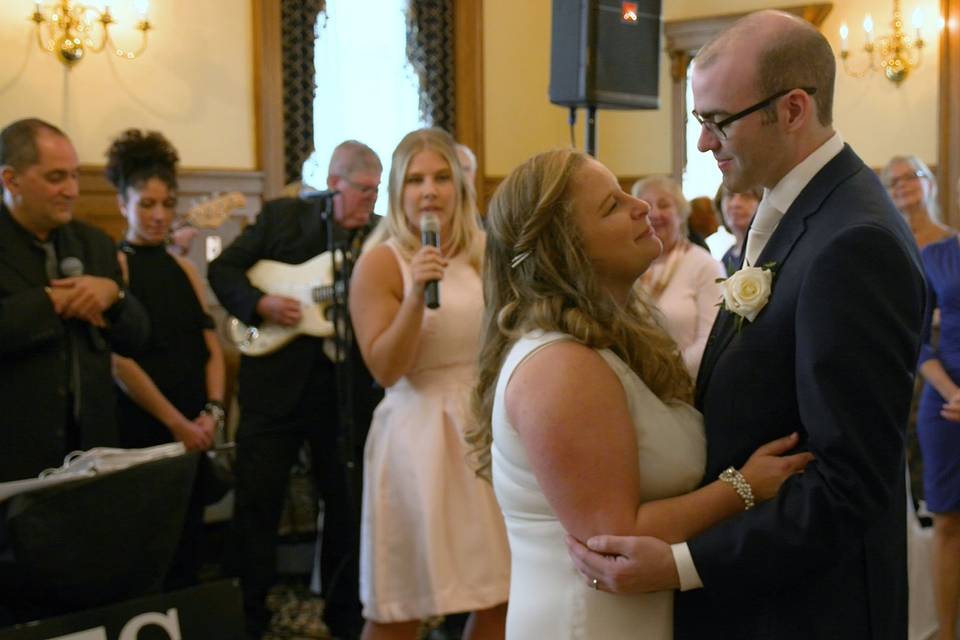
768, 468
625, 564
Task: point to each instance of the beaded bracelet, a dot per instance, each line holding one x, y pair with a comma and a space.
740, 485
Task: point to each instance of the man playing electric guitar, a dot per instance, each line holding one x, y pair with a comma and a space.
290, 395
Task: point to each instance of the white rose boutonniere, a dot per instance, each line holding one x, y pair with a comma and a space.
747, 292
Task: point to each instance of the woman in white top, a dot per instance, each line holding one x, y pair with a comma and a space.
682, 281
582, 401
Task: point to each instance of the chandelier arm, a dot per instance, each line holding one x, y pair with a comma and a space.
854, 72
143, 27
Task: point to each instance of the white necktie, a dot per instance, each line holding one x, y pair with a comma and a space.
764, 224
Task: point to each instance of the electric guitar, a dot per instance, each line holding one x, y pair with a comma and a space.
310, 282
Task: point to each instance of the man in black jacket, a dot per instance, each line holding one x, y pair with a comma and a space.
62, 308
291, 395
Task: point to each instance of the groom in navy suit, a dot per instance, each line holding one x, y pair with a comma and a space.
831, 355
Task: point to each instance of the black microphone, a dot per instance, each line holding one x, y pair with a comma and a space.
430, 235
311, 195
71, 267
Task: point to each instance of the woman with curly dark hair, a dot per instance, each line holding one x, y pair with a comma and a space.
173, 389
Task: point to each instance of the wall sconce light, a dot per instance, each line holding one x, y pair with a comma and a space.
896, 54
69, 30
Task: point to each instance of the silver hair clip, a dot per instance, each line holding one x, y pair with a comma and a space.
517, 259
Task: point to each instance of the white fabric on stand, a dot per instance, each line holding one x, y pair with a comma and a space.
922, 612
86, 464
764, 224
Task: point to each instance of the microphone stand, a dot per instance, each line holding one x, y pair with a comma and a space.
343, 342
344, 369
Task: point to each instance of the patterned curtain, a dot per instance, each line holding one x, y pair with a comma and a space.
430, 50
298, 24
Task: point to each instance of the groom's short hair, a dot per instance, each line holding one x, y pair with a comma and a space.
793, 57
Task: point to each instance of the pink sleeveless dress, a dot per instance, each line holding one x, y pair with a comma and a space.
432, 536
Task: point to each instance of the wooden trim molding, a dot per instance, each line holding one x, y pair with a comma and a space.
948, 153
468, 65
684, 38
268, 94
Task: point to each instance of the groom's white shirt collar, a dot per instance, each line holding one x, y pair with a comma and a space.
781, 197
786, 191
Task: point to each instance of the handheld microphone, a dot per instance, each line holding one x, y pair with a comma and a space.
311, 195
430, 235
71, 267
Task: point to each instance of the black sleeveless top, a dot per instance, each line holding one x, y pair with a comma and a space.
176, 355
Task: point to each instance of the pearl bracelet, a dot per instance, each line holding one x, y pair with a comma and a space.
740, 485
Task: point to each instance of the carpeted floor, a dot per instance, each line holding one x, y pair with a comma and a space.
298, 615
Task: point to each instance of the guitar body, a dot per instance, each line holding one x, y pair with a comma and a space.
298, 281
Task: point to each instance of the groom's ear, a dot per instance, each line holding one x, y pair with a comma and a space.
796, 110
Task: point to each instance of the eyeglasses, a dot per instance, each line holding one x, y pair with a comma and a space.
364, 189
894, 182
716, 127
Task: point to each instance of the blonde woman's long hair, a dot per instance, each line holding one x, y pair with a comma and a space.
554, 289
466, 234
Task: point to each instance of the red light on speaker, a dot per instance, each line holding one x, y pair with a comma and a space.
629, 12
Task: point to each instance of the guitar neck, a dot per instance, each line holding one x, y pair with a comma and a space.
326, 293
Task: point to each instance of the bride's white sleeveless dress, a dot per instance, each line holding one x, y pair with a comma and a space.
548, 598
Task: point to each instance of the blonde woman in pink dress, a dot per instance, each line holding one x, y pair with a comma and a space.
433, 540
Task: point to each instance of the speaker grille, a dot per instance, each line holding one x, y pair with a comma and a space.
599, 59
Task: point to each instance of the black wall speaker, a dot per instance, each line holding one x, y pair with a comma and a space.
605, 53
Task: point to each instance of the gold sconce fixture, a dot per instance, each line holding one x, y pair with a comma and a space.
896, 54
69, 30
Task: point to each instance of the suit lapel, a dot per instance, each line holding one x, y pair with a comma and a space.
15, 253
777, 251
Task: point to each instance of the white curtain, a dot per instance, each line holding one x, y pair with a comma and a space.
366, 89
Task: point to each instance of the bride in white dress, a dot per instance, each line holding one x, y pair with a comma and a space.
584, 423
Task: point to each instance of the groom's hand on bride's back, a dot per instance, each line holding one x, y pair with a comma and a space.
625, 564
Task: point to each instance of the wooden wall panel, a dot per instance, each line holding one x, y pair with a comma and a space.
268, 87
949, 144
468, 38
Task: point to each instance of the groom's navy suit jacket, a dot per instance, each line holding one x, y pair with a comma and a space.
832, 356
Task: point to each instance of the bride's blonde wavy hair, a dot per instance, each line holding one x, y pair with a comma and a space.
554, 288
